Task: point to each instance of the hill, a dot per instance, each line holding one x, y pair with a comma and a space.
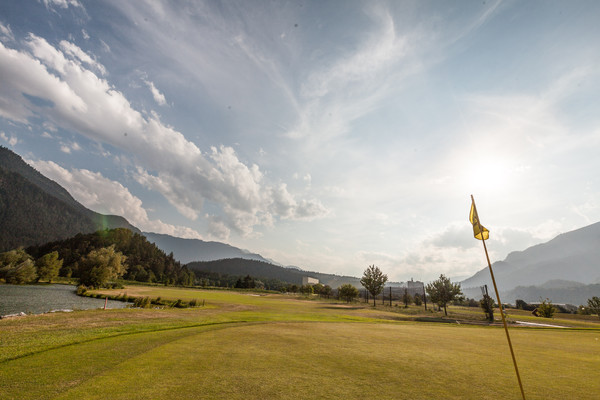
265, 270
145, 262
560, 265
576, 294
35, 210
188, 250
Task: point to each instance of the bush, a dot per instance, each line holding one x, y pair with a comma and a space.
114, 285
180, 304
594, 305
582, 310
81, 289
546, 309
142, 302
471, 303
348, 292
417, 299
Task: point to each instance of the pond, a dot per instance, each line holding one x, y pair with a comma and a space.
38, 299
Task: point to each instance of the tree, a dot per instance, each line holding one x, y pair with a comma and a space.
546, 308
307, 290
17, 267
21, 273
487, 304
13, 257
406, 298
318, 288
326, 291
348, 292
101, 266
417, 299
442, 291
373, 280
594, 305
48, 266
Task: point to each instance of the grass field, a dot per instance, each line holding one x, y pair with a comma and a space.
249, 346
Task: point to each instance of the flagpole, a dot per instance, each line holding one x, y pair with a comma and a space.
512, 353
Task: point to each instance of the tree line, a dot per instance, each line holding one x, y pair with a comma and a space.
95, 259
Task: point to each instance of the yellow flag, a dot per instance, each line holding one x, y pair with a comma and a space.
475, 221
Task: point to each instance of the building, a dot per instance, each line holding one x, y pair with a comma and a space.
414, 287
307, 280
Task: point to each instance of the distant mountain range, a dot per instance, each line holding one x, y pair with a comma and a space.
261, 269
565, 269
188, 250
35, 210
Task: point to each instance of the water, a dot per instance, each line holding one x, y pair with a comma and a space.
38, 299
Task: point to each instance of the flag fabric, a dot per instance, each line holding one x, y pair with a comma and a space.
485, 235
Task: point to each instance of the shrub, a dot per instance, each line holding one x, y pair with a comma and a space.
582, 310
180, 304
81, 289
142, 302
417, 299
594, 305
546, 309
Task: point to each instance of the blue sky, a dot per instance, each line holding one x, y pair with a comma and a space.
329, 135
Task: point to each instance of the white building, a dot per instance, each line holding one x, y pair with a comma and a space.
307, 280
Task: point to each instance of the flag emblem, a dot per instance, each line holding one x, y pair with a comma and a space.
485, 235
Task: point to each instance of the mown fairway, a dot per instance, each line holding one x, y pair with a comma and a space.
243, 346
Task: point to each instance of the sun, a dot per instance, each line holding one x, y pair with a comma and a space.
487, 176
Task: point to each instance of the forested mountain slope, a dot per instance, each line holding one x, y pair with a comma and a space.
35, 210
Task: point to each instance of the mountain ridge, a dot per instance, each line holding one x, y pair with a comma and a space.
191, 250
35, 210
567, 261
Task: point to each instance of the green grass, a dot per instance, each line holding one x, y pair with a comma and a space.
243, 346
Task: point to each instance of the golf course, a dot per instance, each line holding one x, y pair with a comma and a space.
250, 345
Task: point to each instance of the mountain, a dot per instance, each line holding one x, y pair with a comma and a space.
564, 263
36, 210
188, 250
262, 269
576, 295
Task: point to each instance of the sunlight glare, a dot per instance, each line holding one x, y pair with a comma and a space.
487, 176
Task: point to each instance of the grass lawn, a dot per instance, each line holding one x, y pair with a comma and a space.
244, 346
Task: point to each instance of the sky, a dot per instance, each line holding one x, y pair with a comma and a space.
328, 135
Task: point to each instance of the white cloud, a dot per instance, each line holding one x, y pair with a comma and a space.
105, 46
62, 3
167, 162
67, 147
158, 96
11, 140
6, 33
350, 86
85, 34
103, 195
78, 54
217, 228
